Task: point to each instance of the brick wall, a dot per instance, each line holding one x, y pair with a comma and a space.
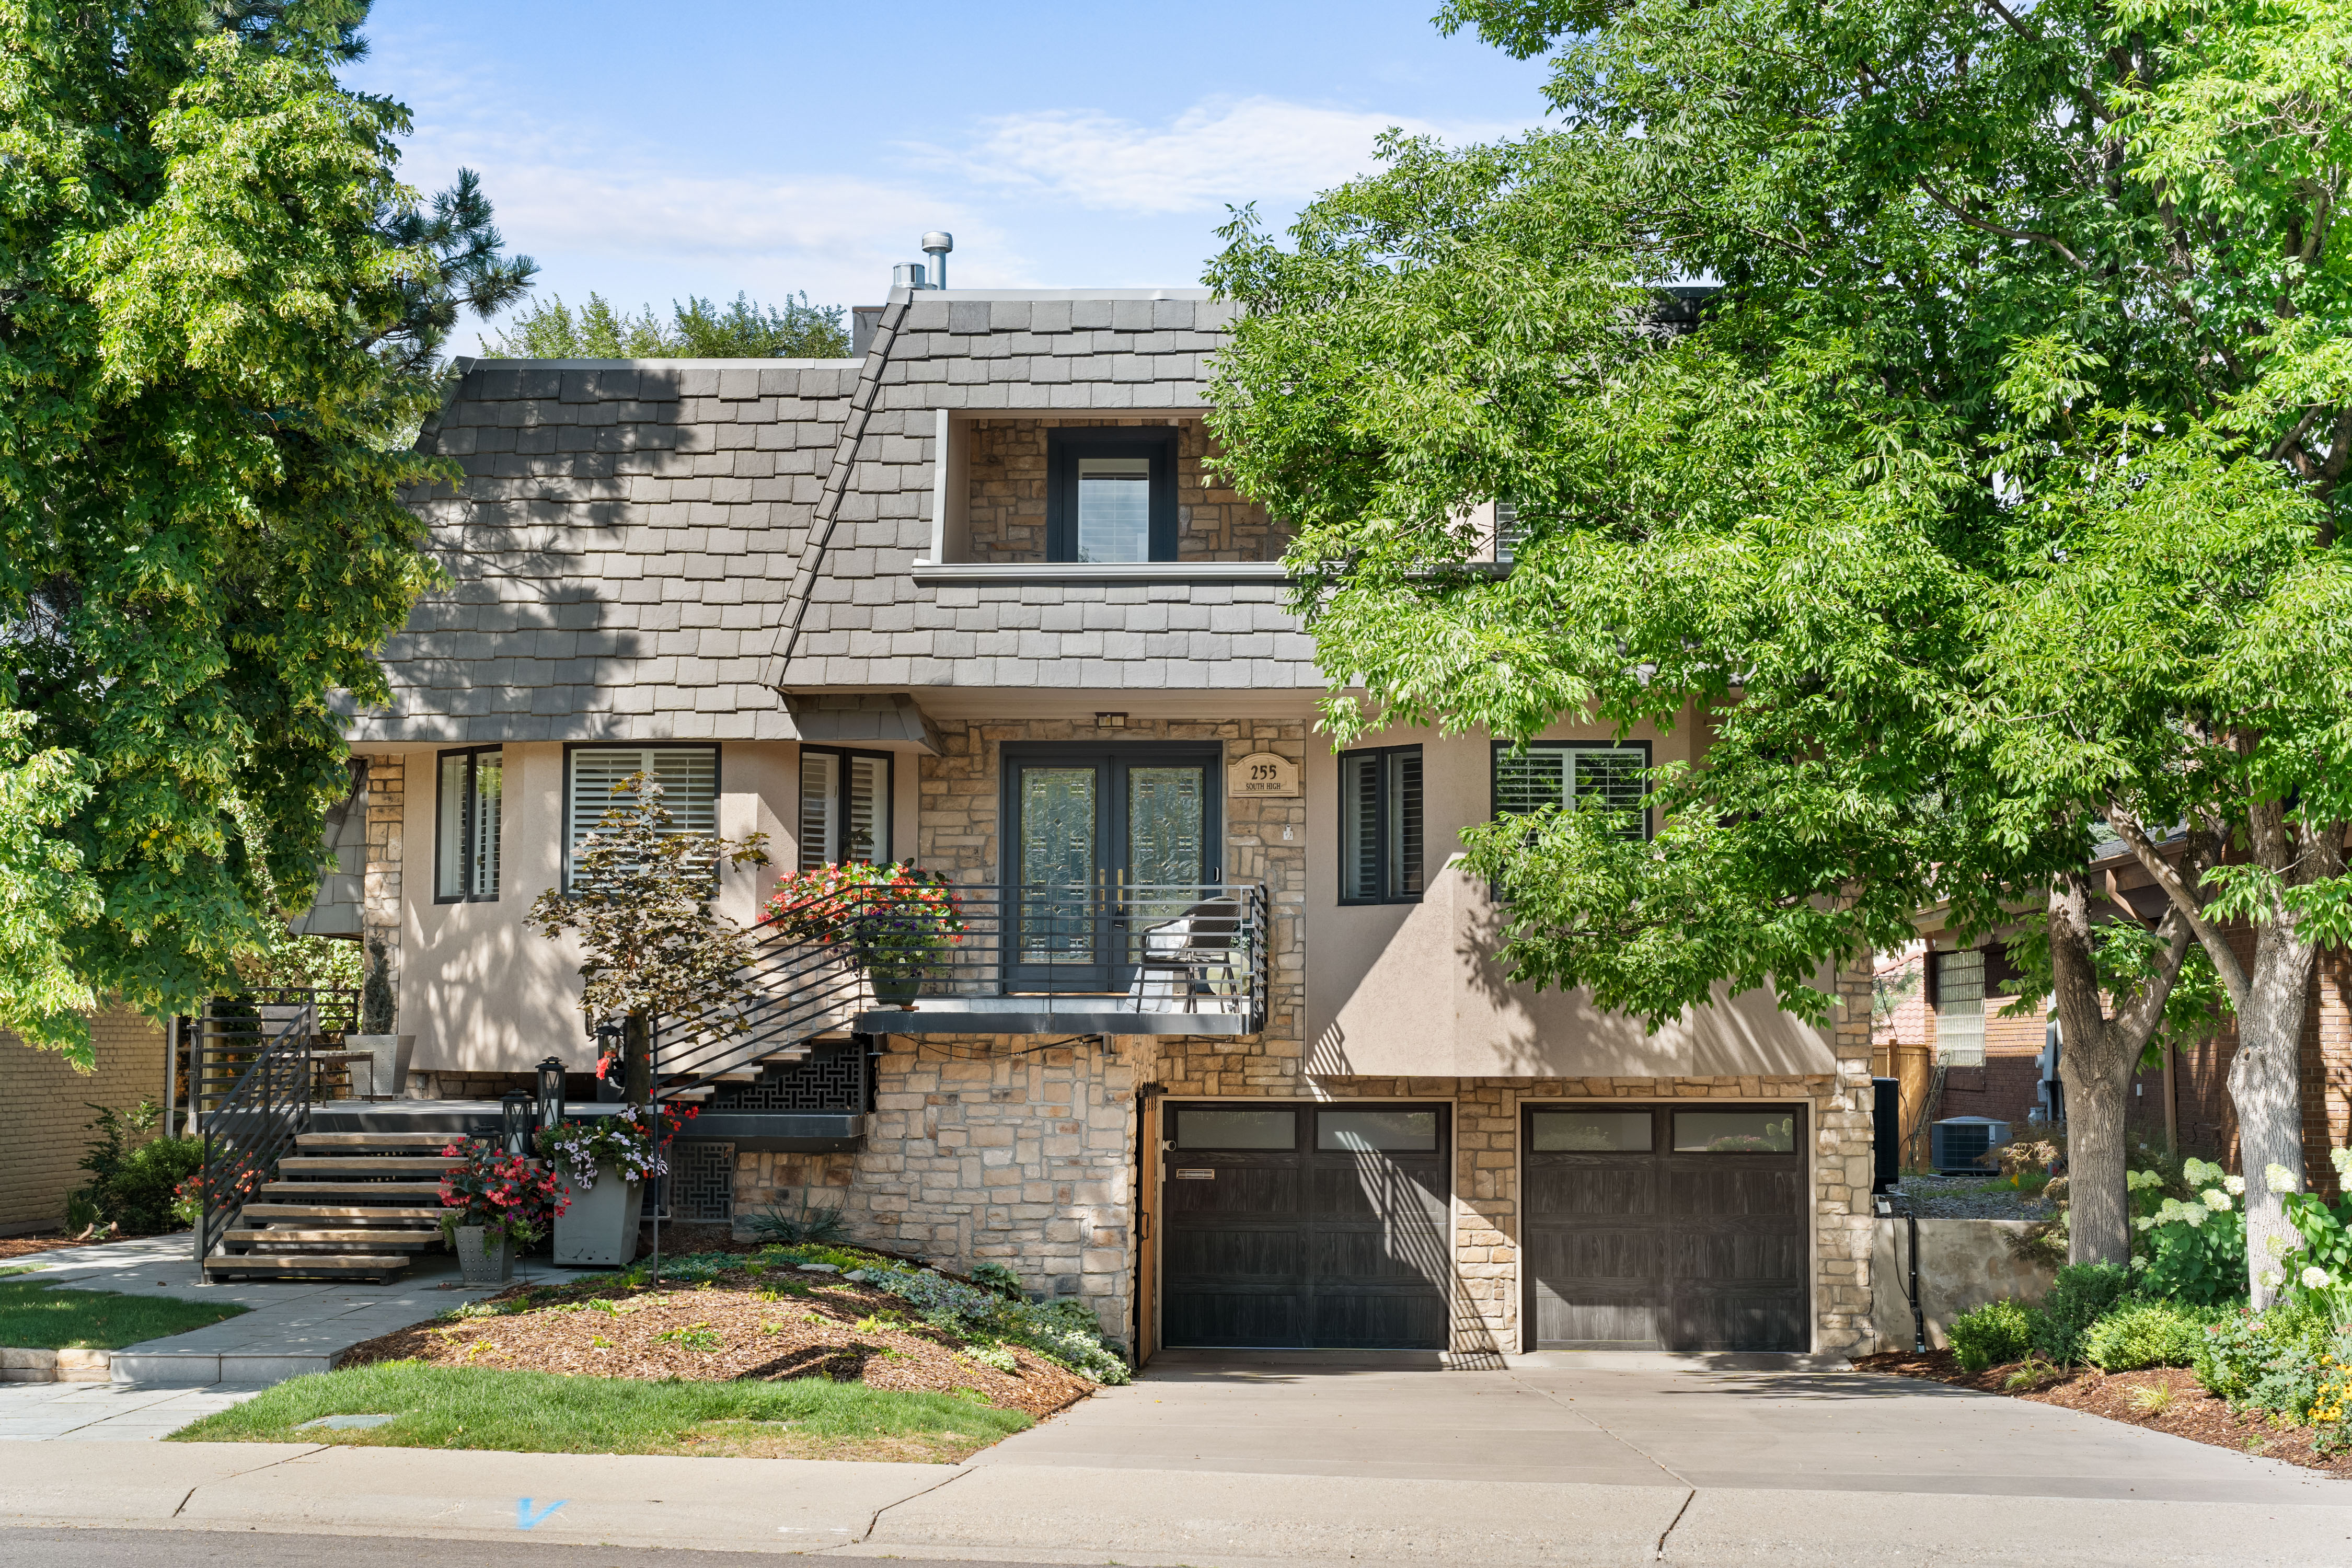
42, 1104
1007, 507
2209, 1123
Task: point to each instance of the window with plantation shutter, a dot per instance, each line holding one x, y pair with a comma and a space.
689, 777
1604, 778
1507, 529
844, 808
1380, 825
469, 811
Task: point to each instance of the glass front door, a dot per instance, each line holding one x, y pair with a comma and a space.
1104, 843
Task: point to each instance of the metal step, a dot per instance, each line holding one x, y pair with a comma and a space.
429, 1191
342, 1212
300, 1265
358, 1165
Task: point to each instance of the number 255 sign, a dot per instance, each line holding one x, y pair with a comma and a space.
1263, 772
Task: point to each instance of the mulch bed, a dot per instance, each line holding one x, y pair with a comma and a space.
25, 1246
2192, 1413
816, 1326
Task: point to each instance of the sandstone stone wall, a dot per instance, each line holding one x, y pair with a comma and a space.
42, 1105
1007, 506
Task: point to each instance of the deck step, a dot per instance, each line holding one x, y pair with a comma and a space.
430, 1191
296, 1265
354, 1164
288, 1237
342, 1212
345, 1143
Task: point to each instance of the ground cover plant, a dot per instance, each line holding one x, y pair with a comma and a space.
815, 1314
32, 1317
539, 1412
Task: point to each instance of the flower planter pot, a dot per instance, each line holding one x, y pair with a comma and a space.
897, 989
389, 1076
485, 1261
599, 1228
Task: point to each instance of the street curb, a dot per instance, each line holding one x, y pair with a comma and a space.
70, 1365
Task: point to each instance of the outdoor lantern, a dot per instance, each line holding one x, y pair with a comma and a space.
514, 1122
609, 1077
550, 1092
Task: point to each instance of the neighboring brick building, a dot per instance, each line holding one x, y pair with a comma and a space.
47, 1106
976, 599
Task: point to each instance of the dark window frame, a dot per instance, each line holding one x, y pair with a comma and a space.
1388, 894
1064, 448
718, 783
1493, 771
890, 794
465, 819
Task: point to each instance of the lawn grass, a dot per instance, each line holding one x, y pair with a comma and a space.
35, 1319
541, 1413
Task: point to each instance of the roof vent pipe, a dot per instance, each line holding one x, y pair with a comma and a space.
936, 244
910, 275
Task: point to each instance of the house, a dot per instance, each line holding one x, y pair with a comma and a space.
1226, 1054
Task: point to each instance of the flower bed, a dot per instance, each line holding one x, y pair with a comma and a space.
732, 1317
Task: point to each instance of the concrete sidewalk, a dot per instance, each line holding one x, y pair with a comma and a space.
1245, 1462
292, 1326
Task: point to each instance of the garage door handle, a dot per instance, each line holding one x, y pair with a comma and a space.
1143, 1224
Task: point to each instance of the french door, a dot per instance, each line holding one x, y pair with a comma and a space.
1104, 843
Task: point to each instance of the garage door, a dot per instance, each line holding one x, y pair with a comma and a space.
1666, 1227
1305, 1225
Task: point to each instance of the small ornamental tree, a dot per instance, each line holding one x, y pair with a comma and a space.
639, 904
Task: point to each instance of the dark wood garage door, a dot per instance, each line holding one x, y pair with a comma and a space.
1666, 1227
1322, 1227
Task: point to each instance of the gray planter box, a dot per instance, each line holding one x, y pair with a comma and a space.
482, 1261
391, 1053
599, 1230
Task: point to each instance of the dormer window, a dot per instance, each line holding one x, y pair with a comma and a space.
1110, 495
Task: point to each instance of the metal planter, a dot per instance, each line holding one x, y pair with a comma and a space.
482, 1260
599, 1228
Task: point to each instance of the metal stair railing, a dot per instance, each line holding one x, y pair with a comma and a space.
252, 1099
811, 971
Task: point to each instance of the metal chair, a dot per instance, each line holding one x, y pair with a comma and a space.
1192, 955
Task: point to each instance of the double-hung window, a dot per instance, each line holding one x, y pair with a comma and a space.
689, 777
1110, 494
1568, 773
468, 814
1380, 825
844, 811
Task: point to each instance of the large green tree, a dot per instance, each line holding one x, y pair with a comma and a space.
698, 329
1979, 515
219, 313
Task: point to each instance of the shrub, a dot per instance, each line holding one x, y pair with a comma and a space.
814, 1223
132, 1184
1992, 1334
2191, 1248
997, 1278
2275, 1361
2145, 1333
2082, 1294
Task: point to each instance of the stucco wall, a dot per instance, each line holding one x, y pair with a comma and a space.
1414, 989
484, 995
1963, 1264
45, 1105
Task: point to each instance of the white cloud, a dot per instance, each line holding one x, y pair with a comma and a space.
1218, 152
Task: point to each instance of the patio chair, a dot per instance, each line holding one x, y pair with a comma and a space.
1193, 955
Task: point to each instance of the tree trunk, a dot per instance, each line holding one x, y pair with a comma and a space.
2265, 1085
637, 1058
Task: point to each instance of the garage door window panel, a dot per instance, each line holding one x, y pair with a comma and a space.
1593, 1131
1735, 1133
1236, 1129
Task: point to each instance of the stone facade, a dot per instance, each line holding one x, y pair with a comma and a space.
1007, 507
387, 796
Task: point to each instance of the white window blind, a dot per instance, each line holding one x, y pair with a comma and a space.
1507, 530
845, 813
1607, 778
688, 778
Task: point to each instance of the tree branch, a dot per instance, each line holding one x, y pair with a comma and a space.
2184, 902
1936, 196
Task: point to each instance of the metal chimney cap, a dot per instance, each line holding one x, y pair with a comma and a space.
939, 242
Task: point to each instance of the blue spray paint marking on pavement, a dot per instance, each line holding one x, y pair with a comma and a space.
525, 1518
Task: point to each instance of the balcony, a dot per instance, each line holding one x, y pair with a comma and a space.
963, 959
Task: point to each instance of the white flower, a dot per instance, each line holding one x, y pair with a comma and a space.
2282, 1180
2195, 1216
2314, 1278
2217, 1200
2199, 1173
2342, 1160
2274, 1279
2138, 1181
2236, 1185
2143, 1223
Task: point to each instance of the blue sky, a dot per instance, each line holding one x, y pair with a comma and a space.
648, 152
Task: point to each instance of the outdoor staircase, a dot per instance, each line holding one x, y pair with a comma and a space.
344, 1205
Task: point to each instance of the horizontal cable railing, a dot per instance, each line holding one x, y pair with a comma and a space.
253, 1086
1163, 948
